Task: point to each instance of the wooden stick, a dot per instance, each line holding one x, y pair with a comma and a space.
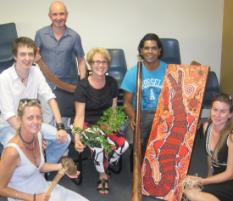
52, 78
137, 183
55, 181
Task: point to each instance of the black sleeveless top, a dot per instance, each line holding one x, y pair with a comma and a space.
220, 164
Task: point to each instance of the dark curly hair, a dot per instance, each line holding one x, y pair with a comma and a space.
150, 36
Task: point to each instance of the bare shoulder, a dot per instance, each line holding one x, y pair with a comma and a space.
10, 155
231, 137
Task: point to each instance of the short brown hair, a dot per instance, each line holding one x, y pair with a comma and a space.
23, 41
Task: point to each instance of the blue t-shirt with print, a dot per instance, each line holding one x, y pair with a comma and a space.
152, 82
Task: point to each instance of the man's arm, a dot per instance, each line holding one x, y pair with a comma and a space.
61, 133
14, 122
129, 109
78, 122
82, 68
7, 104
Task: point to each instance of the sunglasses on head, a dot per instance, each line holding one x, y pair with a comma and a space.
26, 101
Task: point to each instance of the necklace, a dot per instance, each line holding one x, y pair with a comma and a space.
32, 150
24, 141
22, 78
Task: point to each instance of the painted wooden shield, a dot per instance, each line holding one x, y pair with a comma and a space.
171, 139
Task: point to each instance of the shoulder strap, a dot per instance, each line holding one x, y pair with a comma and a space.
17, 148
207, 128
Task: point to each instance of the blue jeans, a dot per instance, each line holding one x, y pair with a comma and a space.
54, 150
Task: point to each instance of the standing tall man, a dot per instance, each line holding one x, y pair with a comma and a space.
61, 49
24, 81
60, 46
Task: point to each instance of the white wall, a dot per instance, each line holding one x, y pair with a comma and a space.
197, 24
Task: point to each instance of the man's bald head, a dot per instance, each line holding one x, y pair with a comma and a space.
57, 5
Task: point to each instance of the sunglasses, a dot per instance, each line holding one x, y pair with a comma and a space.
28, 102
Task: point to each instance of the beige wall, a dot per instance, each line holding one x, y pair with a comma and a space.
197, 24
227, 49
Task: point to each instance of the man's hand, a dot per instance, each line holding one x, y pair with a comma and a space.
37, 55
132, 123
62, 135
73, 176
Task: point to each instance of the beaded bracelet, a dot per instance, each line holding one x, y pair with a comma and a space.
60, 126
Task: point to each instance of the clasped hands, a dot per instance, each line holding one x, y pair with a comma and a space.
192, 182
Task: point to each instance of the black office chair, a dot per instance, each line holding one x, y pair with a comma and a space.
171, 51
8, 34
117, 69
212, 89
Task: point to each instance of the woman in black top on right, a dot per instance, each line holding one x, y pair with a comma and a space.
218, 133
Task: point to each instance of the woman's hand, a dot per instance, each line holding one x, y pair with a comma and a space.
73, 176
79, 146
42, 197
192, 182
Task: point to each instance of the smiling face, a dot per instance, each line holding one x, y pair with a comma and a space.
24, 57
150, 51
31, 120
220, 113
99, 65
58, 14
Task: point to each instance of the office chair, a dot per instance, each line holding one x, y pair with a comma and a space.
171, 51
117, 69
211, 90
8, 34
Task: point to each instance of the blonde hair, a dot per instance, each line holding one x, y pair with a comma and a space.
23, 103
104, 52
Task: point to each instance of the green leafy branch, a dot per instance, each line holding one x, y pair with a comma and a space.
96, 135
112, 120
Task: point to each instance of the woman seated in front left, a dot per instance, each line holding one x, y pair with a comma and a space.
22, 163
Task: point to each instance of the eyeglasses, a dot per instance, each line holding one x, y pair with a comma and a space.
98, 62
